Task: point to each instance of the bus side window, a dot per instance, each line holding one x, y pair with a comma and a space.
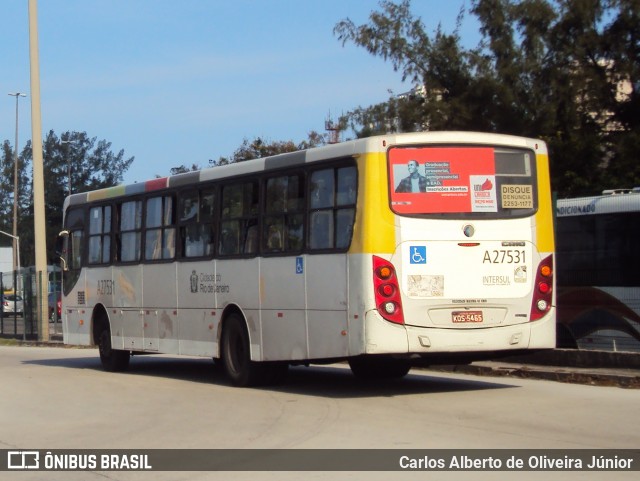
160, 234
74, 243
189, 207
295, 232
76, 249
332, 207
207, 222
130, 225
153, 245
169, 243
196, 221
100, 235
251, 240
273, 238
322, 189
345, 216
347, 186
321, 232
229, 239
239, 233
282, 226
197, 240
207, 207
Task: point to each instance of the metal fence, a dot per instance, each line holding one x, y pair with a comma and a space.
21, 305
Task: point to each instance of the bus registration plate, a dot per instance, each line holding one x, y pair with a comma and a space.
459, 317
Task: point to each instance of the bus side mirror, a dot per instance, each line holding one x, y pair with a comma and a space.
61, 249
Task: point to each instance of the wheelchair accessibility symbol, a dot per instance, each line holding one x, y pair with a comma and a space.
418, 255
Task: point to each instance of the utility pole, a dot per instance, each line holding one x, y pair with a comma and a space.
16, 245
40, 233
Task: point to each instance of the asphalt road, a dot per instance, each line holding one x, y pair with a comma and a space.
59, 398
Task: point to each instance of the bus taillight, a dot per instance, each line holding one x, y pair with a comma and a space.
543, 289
387, 291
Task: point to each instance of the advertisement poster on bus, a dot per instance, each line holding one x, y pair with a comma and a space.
430, 180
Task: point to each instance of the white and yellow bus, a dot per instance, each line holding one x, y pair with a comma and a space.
387, 251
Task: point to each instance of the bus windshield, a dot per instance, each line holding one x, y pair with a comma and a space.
462, 182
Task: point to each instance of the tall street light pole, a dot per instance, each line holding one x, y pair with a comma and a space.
16, 245
40, 233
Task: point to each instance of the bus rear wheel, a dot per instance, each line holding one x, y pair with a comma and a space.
113, 360
236, 354
365, 367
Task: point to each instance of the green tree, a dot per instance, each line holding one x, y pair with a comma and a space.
71, 162
6, 192
259, 148
183, 169
549, 69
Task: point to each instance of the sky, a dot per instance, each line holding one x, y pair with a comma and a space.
181, 82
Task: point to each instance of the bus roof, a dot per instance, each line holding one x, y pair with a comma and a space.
344, 149
608, 203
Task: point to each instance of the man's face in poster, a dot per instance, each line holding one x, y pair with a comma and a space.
412, 166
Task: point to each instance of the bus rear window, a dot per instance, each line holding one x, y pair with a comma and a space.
462, 181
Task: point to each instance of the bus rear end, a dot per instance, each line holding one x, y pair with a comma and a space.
470, 267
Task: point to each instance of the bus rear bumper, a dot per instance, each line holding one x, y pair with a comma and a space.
421, 340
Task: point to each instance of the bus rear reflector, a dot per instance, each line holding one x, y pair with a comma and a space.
387, 291
543, 289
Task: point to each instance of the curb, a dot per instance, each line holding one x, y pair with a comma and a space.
579, 358
629, 380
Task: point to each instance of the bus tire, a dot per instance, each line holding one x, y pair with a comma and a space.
365, 367
236, 354
113, 360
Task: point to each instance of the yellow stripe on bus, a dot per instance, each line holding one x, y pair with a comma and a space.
374, 230
544, 218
